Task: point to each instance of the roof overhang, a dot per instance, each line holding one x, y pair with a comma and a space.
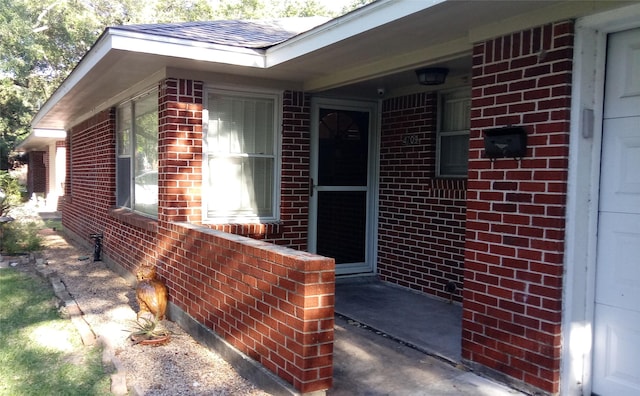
39, 139
381, 43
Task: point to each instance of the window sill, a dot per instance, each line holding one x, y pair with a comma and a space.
251, 230
131, 218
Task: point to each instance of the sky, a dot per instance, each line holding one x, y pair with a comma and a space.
334, 5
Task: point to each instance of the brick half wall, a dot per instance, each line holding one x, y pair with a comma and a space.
274, 304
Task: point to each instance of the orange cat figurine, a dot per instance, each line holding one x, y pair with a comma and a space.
151, 293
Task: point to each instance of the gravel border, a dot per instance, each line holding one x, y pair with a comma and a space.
102, 306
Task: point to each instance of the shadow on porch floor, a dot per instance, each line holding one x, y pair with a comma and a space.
426, 324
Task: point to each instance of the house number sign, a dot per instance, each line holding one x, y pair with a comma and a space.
410, 140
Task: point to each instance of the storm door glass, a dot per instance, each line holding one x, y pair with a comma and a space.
342, 185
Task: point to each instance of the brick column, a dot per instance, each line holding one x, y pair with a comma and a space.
516, 209
180, 151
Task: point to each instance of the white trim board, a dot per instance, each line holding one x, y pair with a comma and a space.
583, 193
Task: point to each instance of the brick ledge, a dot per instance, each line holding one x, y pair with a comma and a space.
131, 218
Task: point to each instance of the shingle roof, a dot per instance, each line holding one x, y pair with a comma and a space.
235, 33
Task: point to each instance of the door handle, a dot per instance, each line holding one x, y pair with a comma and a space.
311, 186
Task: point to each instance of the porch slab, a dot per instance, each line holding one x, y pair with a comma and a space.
427, 324
393, 341
366, 363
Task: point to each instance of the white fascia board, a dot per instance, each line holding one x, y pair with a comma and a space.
369, 17
113, 39
186, 49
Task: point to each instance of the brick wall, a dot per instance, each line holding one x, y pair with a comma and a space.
516, 209
90, 195
180, 151
90, 186
421, 218
272, 303
37, 172
294, 200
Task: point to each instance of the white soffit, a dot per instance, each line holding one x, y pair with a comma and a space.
40, 138
546, 13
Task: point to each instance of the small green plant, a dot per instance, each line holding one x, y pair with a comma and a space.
20, 237
54, 224
10, 193
147, 329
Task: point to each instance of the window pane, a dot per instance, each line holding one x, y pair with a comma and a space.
240, 125
454, 154
137, 154
240, 186
146, 155
453, 149
123, 141
123, 183
240, 143
124, 130
343, 147
456, 114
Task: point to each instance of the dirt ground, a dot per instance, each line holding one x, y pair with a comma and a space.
108, 306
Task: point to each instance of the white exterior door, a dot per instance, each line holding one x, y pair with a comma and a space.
616, 354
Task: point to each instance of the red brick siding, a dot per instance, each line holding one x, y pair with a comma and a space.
180, 151
90, 193
421, 218
516, 209
88, 198
294, 188
47, 164
37, 172
273, 304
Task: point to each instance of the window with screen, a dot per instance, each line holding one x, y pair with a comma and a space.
240, 154
453, 134
137, 154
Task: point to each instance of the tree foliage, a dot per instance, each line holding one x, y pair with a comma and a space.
42, 40
10, 194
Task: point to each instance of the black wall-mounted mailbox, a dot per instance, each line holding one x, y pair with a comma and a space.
508, 142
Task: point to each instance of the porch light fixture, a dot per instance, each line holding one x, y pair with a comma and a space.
432, 75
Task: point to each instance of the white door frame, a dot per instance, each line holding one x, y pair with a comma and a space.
371, 253
583, 193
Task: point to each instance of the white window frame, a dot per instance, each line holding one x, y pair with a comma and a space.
230, 217
464, 94
130, 203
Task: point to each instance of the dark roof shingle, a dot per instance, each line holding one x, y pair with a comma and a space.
257, 34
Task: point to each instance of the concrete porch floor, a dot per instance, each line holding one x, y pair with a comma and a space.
392, 341
427, 324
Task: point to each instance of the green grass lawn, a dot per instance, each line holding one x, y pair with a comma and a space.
41, 353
